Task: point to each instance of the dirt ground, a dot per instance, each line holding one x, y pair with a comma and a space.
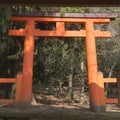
50, 107
51, 110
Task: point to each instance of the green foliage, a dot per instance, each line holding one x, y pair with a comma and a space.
108, 49
9, 47
73, 9
54, 57
5, 13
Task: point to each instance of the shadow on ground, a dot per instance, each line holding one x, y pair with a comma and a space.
49, 112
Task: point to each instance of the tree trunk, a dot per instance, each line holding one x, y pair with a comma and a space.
82, 66
82, 82
70, 84
13, 91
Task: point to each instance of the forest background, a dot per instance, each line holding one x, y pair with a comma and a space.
60, 67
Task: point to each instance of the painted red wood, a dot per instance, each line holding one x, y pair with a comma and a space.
19, 91
28, 63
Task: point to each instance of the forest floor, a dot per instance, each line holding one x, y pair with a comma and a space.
53, 108
52, 105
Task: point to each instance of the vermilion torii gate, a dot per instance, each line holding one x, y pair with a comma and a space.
89, 20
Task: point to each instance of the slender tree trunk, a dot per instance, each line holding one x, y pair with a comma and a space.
82, 82
82, 78
70, 83
12, 96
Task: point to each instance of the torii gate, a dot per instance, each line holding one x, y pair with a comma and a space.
96, 91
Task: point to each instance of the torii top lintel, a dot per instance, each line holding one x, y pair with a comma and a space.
60, 22
83, 3
66, 15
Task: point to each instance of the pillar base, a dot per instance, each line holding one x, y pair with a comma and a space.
98, 109
22, 105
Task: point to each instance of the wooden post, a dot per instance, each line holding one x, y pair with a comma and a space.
101, 91
92, 68
60, 26
18, 90
118, 84
28, 63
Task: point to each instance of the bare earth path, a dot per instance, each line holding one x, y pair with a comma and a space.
58, 112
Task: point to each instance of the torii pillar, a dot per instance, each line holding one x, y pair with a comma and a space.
28, 63
94, 88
